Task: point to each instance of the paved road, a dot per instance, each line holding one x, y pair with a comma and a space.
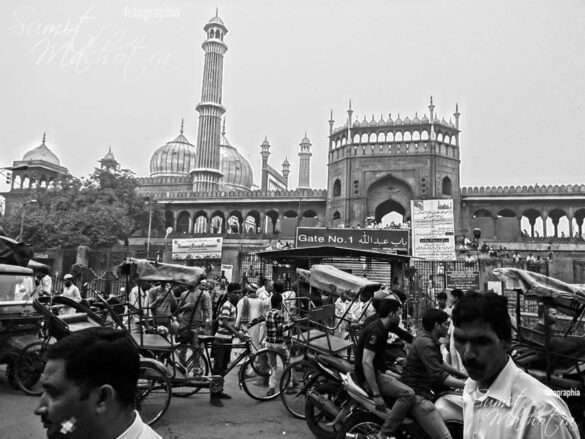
242, 417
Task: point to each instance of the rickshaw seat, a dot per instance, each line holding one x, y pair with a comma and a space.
155, 342
206, 338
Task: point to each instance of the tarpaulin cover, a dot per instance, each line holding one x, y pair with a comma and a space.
13, 252
159, 272
542, 286
336, 281
304, 275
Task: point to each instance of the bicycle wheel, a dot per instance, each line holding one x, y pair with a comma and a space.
153, 393
292, 382
256, 376
190, 362
29, 366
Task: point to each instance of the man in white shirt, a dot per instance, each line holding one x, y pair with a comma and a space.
499, 399
89, 384
71, 292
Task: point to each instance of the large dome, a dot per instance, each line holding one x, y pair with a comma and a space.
42, 153
176, 158
237, 172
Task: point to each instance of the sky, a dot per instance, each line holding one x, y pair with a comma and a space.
122, 74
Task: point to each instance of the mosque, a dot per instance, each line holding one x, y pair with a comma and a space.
376, 166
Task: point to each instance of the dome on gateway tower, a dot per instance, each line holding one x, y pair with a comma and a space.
175, 158
237, 172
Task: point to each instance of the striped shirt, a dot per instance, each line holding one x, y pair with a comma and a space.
228, 312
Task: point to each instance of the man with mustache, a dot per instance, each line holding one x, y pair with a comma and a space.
499, 399
89, 387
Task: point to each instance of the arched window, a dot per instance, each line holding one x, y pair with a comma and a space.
337, 188
183, 222
447, 187
336, 215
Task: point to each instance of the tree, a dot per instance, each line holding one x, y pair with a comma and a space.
98, 211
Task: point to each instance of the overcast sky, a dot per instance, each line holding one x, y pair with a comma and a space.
116, 78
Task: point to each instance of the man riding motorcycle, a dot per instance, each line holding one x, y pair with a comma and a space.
424, 372
370, 363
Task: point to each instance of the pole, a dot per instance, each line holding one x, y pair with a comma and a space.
22, 221
149, 227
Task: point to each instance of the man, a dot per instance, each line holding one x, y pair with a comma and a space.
362, 308
442, 302
453, 358
424, 373
194, 311
499, 399
265, 293
370, 363
223, 339
45, 283
275, 327
89, 387
162, 303
218, 293
71, 292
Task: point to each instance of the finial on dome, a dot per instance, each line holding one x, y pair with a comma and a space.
217, 11
110, 150
182, 125
44, 137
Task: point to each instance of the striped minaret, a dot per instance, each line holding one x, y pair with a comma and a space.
305, 163
206, 175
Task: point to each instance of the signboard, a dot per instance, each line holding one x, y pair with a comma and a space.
433, 229
465, 280
197, 248
227, 271
385, 240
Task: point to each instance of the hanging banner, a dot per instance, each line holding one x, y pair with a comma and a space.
433, 229
385, 240
197, 248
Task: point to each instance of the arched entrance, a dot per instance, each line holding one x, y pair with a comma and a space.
389, 195
390, 212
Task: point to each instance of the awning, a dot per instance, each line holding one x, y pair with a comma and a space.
337, 282
159, 272
314, 254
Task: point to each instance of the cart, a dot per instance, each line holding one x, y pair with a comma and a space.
554, 357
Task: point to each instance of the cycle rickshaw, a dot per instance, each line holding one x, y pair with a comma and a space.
188, 365
555, 357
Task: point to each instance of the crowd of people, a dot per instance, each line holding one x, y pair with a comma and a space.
463, 343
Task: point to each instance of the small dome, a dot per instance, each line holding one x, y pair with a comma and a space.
416, 120
356, 123
237, 172
42, 153
407, 120
425, 119
305, 140
398, 121
216, 20
365, 122
390, 121
381, 121
109, 155
176, 158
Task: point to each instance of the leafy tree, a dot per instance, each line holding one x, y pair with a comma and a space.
98, 211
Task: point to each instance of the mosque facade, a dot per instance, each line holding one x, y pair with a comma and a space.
376, 166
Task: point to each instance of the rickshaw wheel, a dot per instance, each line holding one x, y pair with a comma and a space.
292, 382
153, 393
190, 362
10, 374
255, 376
29, 366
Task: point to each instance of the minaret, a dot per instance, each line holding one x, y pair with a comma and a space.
457, 114
331, 122
206, 175
286, 170
265, 153
305, 163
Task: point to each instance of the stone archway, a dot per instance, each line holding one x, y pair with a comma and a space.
388, 194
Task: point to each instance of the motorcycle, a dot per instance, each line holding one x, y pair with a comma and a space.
325, 395
363, 419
